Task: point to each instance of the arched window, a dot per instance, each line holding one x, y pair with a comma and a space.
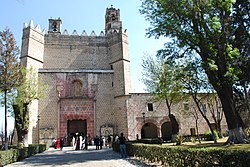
77, 88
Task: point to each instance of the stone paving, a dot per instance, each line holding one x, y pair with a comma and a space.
76, 158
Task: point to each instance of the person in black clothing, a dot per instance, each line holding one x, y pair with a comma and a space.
61, 143
122, 140
78, 143
86, 142
109, 141
101, 142
97, 143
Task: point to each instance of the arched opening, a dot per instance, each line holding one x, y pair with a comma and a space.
166, 131
76, 126
149, 130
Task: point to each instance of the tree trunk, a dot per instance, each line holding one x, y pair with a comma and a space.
21, 123
218, 128
210, 127
198, 105
19, 134
18, 123
6, 119
168, 106
197, 130
234, 123
237, 136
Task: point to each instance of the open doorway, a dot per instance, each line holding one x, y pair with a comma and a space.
149, 130
76, 126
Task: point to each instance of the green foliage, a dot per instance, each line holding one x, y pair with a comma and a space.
13, 155
10, 69
24, 153
212, 29
193, 139
179, 140
209, 137
248, 131
33, 149
8, 156
150, 141
159, 76
10, 66
33, 88
189, 157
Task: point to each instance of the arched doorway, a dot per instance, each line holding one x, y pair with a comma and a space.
76, 126
166, 131
149, 130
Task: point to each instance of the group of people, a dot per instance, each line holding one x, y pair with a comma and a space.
80, 142
58, 143
99, 143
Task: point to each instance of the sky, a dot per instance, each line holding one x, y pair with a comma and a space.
82, 15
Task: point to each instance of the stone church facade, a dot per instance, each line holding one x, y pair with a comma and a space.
89, 90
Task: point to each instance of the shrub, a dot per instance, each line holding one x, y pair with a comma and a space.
8, 156
23, 153
179, 140
13, 155
150, 141
182, 156
248, 131
209, 137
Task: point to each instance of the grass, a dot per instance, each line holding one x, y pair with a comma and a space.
209, 144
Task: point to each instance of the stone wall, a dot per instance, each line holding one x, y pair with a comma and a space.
137, 105
76, 52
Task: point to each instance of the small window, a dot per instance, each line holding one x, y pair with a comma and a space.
150, 107
192, 131
186, 106
111, 67
112, 84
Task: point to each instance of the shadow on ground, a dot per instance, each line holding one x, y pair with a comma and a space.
69, 157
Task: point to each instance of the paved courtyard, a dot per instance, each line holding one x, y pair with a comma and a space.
69, 157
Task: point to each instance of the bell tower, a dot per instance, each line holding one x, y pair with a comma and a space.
112, 20
55, 25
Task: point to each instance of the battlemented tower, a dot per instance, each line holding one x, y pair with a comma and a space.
112, 21
32, 56
88, 78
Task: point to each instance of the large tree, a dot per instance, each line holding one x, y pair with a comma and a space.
195, 82
32, 88
214, 30
159, 78
10, 74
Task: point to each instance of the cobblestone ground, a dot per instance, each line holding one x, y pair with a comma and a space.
69, 157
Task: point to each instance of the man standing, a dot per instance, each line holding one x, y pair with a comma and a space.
97, 142
61, 143
122, 140
86, 142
